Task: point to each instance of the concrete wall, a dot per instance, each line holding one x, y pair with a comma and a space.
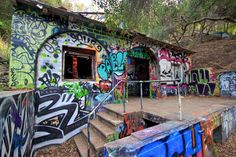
204, 82
174, 138
227, 84
17, 118
37, 61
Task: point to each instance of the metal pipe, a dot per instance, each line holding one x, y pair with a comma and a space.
141, 94
88, 137
124, 97
180, 103
147, 81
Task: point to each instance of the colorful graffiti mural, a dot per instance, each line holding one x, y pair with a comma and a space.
132, 122
172, 138
50, 57
58, 117
187, 143
167, 90
29, 31
17, 124
227, 83
228, 123
183, 141
203, 82
173, 66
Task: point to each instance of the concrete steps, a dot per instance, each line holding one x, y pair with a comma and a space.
81, 143
102, 130
109, 120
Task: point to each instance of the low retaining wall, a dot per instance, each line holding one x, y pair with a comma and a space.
17, 124
177, 138
203, 82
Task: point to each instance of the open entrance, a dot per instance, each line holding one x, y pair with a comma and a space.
138, 69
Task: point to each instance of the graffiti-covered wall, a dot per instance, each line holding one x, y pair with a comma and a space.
17, 118
203, 82
58, 117
173, 66
173, 138
37, 60
40, 44
227, 82
29, 31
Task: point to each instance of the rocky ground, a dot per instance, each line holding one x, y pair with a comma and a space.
68, 149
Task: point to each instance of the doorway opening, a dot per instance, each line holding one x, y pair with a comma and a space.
138, 69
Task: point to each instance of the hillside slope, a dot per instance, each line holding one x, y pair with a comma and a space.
219, 54
3, 74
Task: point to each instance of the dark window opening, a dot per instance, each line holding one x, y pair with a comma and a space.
78, 63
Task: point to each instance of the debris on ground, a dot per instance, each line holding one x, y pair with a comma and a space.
228, 149
67, 149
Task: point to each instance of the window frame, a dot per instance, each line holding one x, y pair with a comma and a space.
80, 52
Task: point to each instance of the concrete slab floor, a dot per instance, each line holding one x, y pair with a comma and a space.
193, 107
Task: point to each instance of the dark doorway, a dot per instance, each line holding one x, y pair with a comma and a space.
138, 69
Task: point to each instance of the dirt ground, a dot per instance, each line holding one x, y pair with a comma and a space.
67, 149
227, 149
219, 54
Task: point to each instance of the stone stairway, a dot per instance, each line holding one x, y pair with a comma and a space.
102, 130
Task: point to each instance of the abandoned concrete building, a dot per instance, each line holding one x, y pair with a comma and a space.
54, 50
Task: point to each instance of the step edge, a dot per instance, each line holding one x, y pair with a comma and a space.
109, 120
84, 131
105, 134
82, 152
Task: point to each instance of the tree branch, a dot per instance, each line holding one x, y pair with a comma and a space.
224, 18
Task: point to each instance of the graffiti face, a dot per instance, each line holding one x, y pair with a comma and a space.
16, 125
118, 62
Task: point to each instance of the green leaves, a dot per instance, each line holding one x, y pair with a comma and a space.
77, 89
167, 19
